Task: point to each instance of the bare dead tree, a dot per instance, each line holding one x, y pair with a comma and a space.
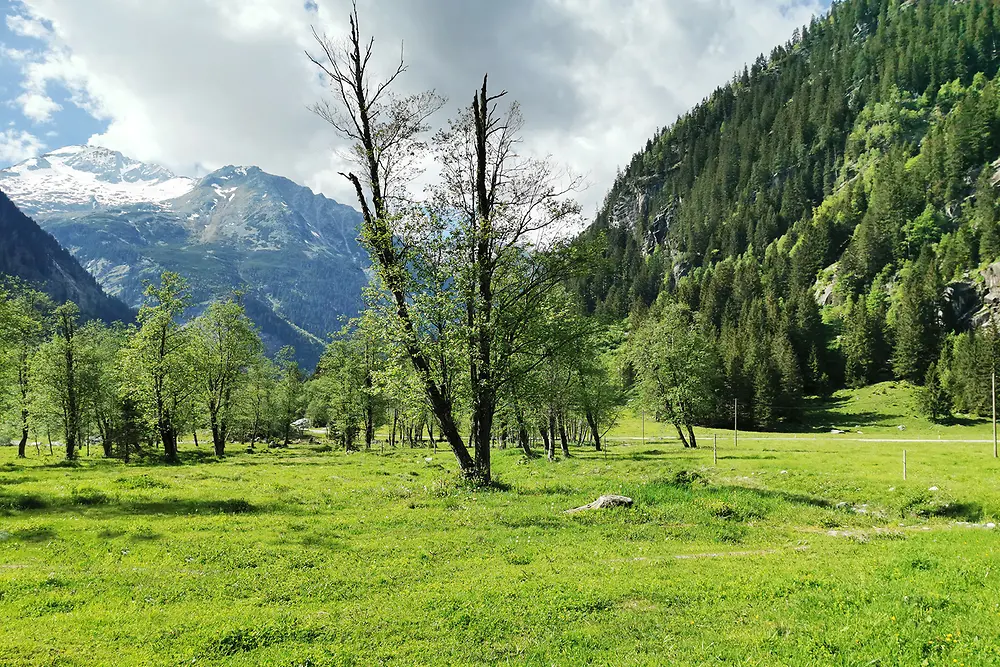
385, 135
477, 242
512, 206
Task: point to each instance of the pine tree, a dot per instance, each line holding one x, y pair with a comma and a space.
917, 324
933, 398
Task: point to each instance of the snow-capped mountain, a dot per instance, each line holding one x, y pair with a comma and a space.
81, 178
294, 253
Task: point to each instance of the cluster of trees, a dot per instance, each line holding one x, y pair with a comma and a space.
568, 388
134, 387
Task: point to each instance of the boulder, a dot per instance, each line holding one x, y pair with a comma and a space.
604, 502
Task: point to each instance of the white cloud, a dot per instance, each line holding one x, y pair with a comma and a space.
198, 84
37, 107
16, 146
26, 26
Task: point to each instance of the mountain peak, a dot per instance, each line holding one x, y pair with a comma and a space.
109, 165
89, 177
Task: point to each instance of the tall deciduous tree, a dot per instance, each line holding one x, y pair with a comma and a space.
23, 313
678, 370
598, 387
288, 392
60, 367
226, 345
102, 381
159, 360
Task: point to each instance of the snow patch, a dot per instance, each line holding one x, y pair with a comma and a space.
88, 177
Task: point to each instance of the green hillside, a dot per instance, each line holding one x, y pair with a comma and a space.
829, 214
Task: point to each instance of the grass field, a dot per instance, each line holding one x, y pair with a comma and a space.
795, 549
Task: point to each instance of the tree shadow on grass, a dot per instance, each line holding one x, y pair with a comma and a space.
965, 420
13, 481
747, 457
776, 494
107, 506
35, 534
960, 511
694, 484
821, 414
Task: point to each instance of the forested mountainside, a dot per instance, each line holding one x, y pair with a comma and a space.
29, 253
830, 213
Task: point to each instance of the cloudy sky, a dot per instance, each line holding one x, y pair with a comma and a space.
198, 84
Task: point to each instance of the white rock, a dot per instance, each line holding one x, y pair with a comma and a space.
933, 488
603, 503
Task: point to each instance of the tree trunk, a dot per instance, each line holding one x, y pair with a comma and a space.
169, 439
22, 444
549, 451
522, 436
563, 440
218, 432
72, 411
369, 427
484, 434
256, 426
681, 434
552, 434
691, 438
595, 432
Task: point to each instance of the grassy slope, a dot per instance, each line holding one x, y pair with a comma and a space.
303, 557
874, 412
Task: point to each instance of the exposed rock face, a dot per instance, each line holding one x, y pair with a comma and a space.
991, 284
989, 297
629, 207
681, 268
825, 297
961, 302
603, 502
659, 226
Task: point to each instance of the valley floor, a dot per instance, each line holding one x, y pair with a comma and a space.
803, 549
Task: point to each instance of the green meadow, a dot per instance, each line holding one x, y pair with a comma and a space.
796, 548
